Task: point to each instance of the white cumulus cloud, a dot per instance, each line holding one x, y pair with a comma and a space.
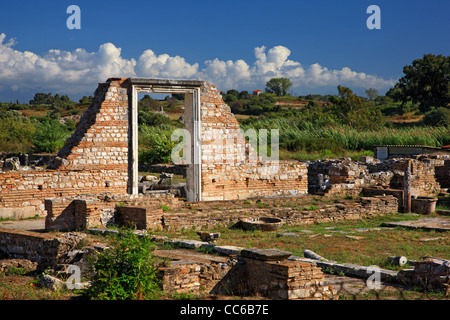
78, 71
164, 66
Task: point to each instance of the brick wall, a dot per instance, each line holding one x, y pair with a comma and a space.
278, 280
189, 277
101, 136
30, 188
246, 276
231, 168
94, 159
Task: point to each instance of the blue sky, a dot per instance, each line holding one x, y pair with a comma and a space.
233, 44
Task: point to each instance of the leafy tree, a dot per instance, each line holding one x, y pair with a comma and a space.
148, 103
243, 95
152, 119
372, 94
55, 102
237, 107
42, 98
354, 111
16, 132
426, 81
86, 100
279, 86
50, 135
233, 92
178, 96
231, 96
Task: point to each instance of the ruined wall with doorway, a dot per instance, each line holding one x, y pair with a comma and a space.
94, 160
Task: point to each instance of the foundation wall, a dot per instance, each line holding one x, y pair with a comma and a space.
277, 280
43, 248
156, 219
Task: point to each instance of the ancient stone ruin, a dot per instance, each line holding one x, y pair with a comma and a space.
101, 156
100, 159
94, 182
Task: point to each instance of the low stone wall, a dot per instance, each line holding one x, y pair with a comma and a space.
43, 248
185, 276
254, 272
370, 192
77, 214
363, 208
347, 177
278, 279
432, 274
155, 219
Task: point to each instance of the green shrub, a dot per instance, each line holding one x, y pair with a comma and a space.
50, 135
437, 117
152, 119
126, 270
155, 144
16, 132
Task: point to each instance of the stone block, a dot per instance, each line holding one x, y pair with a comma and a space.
227, 250
265, 254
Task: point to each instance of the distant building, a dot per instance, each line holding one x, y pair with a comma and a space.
257, 92
391, 151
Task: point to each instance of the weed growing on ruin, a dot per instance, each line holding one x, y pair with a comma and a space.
165, 208
125, 271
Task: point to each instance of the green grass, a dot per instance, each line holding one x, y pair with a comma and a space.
309, 141
329, 240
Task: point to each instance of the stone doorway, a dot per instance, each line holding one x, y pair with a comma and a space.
192, 120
